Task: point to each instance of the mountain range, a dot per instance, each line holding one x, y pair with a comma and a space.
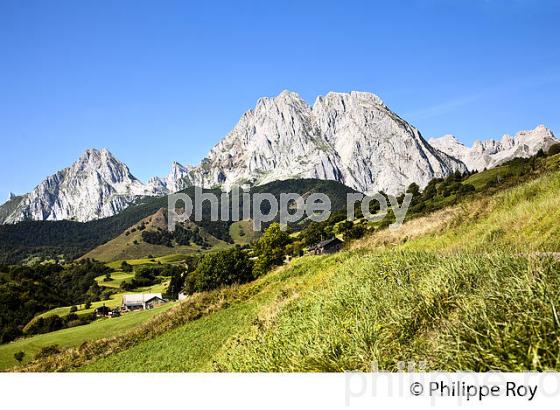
352, 138
491, 153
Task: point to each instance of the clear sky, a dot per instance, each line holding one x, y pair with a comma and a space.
157, 81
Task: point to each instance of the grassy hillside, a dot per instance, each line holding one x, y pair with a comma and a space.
169, 259
131, 245
460, 289
117, 279
114, 300
520, 220
75, 336
242, 232
403, 306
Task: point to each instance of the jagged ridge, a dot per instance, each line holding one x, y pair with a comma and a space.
491, 153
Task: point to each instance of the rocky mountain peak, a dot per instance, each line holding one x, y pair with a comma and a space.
490, 153
351, 137
97, 185
175, 180
447, 138
177, 167
284, 99
95, 155
344, 100
448, 144
105, 164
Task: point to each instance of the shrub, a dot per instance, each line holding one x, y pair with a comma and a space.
71, 316
158, 237
74, 323
468, 188
356, 232
176, 285
149, 275
19, 356
295, 248
126, 267
430, 191
388, 220
413, 189
315, 232
343, 227
180, 236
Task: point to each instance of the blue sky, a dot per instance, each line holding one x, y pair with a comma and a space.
157, 81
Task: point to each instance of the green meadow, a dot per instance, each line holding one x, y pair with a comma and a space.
114, 300
75, 336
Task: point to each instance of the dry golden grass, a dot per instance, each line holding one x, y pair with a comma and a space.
433, 223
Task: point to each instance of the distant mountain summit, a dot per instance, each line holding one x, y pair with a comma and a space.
491, 153
175, 180
353, 138
97, 185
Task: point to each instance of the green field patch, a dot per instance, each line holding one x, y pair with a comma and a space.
114, 301
171, 259
76, 335
117, 279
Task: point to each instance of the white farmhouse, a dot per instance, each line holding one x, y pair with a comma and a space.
138, 301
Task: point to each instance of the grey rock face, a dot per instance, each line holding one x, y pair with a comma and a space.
352, 138
97, 185
491, 153
175, 180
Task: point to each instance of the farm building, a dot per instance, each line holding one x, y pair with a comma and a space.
138, 301
329, 246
